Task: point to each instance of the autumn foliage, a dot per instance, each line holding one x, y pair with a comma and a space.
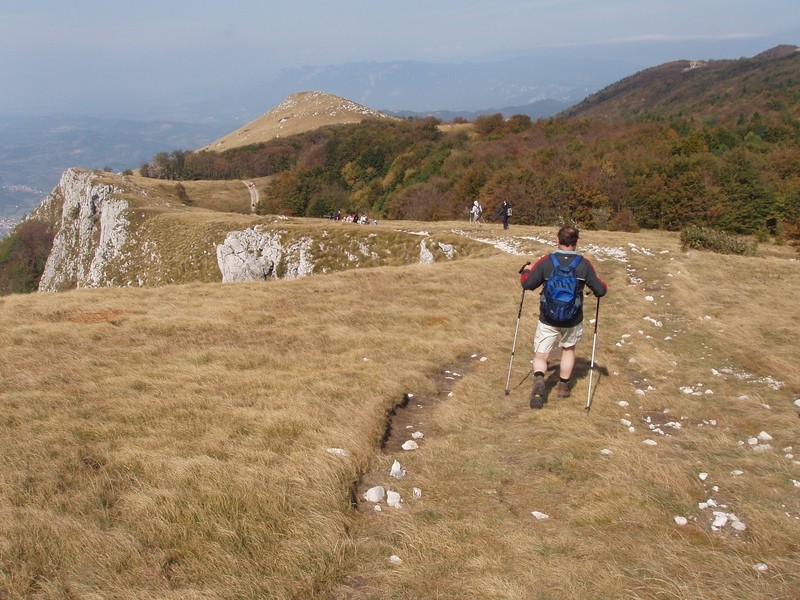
740, 177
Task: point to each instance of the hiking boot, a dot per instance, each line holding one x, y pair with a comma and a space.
563, 390
537, 395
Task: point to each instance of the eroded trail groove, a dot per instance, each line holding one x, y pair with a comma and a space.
406, 431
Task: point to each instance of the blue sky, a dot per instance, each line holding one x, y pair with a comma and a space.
62, 51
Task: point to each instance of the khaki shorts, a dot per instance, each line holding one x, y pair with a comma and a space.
548, 337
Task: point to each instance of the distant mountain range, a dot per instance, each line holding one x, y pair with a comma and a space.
410, 87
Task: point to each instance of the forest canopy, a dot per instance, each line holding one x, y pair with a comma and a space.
652, 173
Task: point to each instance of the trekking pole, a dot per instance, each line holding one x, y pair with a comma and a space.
514, 345
591, 367
516, 331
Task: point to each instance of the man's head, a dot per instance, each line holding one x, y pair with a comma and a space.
568, 236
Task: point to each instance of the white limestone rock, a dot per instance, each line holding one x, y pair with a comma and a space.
375, 494
393, 499
396, 471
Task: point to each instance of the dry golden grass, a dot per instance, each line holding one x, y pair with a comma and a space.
172, 442
298, 113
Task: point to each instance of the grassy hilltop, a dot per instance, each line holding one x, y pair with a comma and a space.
173, 442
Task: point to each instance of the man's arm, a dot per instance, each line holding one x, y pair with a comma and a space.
597, 285
532, 277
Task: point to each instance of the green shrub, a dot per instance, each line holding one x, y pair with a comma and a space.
23, 255
716, 240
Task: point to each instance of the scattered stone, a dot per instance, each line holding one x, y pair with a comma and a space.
761, 567
417, 492
681, 521
393, 499
375, 494
605, 452
649, 442
703, 476
339, 452
796, 483
762, 448
764, 437
540, 515
378, 508
417, 435
720, 519
395, 560
797, 403
396, 471
752, 441
624, 404
410, 445
649, 298
632, 429
737, 472
484, 359
625, 422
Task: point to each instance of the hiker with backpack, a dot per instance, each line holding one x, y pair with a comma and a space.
563, 274
475, 213
505, 212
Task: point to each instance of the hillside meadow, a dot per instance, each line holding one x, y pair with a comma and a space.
216, 440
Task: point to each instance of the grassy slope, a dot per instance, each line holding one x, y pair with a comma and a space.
180, 434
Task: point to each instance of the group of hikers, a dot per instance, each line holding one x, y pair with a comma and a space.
564, 276
476, 212
351, 218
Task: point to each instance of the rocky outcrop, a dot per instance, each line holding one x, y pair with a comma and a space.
259, 254
254, 255
91, 232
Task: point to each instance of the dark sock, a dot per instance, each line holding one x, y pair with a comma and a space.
538, 374
562, 380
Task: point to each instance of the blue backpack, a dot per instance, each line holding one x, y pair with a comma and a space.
559, 301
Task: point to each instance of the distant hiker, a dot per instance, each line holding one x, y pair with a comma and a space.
475, 213
505, 212
560, 320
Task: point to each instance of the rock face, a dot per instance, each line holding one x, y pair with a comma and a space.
92, 232
253, 255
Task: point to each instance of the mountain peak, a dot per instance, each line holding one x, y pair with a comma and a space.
299, 112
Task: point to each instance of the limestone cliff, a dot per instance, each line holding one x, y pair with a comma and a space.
91, 232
